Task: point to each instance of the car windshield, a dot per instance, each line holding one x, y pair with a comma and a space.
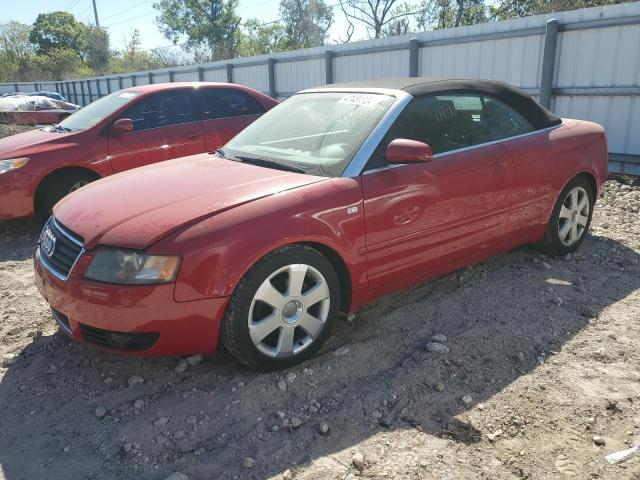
96, 111
316, 132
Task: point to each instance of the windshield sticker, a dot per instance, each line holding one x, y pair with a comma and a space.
127, 95
362, 99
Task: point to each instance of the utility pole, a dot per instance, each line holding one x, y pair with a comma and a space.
95, 13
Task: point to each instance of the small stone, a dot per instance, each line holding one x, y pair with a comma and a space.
467, 399
249, 462
492, 436
521, 357
436, 347
296, 422
135, 380
308, 371
181, 366
546, 265
291, 377
481, 407
439, 337
66, 448
8, 359
138, 404
558, 301
194, 360
282, 385
281, 415
287, 475
161, 421
323, 428
100, 412
598, 440
439, 387
341, 351
358, 461
177, 476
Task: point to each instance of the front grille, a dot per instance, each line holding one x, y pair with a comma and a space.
62, 320
119, 340
59, 248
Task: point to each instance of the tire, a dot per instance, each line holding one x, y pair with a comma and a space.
270, 327
57, 187
570, 218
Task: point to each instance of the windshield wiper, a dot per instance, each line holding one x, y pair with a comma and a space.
220, 153
56, 127
263, 162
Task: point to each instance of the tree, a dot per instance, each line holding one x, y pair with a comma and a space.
210, 23
375, 14
56, 30
256, 38
306, 22
435, 14
94, 48
401, 24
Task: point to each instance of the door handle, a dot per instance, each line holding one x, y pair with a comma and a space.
498, 167
192, 135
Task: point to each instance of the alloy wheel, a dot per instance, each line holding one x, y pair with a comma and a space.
574, 216
78, 185
289, 310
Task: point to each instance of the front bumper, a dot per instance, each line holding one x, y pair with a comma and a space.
85, 309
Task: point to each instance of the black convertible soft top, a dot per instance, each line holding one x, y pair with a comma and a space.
521, 101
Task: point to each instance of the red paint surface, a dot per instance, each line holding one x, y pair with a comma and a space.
413, 223
95, 150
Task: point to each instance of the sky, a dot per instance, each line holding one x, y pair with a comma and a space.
121, 17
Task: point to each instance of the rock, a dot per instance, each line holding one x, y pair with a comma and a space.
296, 422
8, 359
66, 448
558, 301
351, 317
492, 436
282, 385
467, 399
100, 411
308, 371
589, 312
439, 387
161, 421
598, 440
281, 415
177, 476
521, 357
194, 360
546, 265
358, 461
439, 338
287, 475
323, 428
138, 404
342, 351
291, 377
135, 380
181, 366
249, 462
436, 347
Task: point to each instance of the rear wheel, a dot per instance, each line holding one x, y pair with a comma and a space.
570, 219
282, 311
58, 186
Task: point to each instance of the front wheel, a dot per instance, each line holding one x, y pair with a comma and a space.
57, 187
570, 219
282, 310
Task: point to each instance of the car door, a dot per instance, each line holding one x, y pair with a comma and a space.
185, 135
421, 217
225, 112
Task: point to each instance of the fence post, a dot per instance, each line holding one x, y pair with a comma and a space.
75, 94
98, 89
229, 72
548, 62
200, 74
170, 76
35, 87
271, 66
119, 82
15, 86
108, 84
82, 93
133, 80
414, 50
150, 77
89, 91
328, 66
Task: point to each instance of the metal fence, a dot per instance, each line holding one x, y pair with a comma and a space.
581, 64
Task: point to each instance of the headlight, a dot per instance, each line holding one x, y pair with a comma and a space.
131, 267
12, 164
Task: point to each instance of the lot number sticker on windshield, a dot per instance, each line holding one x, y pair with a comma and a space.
127, 95
362, 99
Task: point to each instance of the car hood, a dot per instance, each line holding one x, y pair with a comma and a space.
136, 208
34, 141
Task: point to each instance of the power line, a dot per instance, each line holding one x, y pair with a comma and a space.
128, 9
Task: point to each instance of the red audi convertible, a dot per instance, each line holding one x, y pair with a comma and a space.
335, 197
126, 129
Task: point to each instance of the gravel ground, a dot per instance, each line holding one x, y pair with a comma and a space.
521, 367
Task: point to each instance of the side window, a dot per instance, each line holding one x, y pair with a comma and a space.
223, 103
161, 110
451, 122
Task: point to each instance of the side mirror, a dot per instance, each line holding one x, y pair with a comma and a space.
402, 150
122, 125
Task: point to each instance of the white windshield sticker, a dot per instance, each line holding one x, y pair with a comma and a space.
362, 99
127, 95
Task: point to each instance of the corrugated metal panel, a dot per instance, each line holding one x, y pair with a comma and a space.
215, 75
372, 66
256, 77
185, 77
295, 76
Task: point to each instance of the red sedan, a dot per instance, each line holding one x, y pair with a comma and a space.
126, 129
335, 197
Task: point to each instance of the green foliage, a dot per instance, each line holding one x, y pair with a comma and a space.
255, 38
56, 30
213, 23
94, 48
306, 22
